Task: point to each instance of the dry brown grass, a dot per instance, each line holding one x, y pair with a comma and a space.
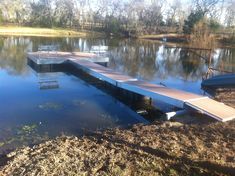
160, 36
47, 32
201, 37
226, 95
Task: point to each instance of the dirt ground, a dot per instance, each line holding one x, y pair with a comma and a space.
226, 96
160, 148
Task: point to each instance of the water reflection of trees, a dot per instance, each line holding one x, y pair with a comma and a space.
153, 61
135, 58
13, 53
143, 59
13, 50
225, 60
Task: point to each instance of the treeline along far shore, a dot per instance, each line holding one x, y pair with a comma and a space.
126, 17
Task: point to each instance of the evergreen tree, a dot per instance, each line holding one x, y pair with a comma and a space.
192, 19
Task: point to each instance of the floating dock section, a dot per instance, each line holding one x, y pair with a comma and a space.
181, 99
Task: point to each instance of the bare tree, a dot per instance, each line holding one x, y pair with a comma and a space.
230, 14
206, 6
16, 11
64, 12
144, 16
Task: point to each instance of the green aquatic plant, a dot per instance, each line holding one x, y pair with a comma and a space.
2, 144
28, 128
24, 135
50, 105
8, 141
19, 133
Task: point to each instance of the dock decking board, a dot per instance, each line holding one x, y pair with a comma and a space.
213, 109
171, 96
106, 73
50, 57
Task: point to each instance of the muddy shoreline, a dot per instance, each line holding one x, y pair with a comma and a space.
161, 148
193, 147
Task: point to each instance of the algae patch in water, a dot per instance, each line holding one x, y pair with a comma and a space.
2, 144
50, 105
23, 135
27, 129
79, 102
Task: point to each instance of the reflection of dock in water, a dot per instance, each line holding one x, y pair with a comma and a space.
46, 63
48, 85
48, 81
177, 98
49, 58
47, 77
137, 103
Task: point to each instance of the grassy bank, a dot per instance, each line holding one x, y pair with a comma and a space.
47, 32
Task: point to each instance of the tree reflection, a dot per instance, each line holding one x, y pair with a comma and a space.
150, 60
135, 58
192, 65
139, 58
13, 53
225, 60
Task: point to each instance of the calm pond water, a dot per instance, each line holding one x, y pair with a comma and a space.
30, 114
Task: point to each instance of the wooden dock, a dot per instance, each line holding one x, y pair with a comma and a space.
56, 57
177, 98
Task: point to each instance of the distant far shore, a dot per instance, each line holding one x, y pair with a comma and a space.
224, 40
45, 32
172, 37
